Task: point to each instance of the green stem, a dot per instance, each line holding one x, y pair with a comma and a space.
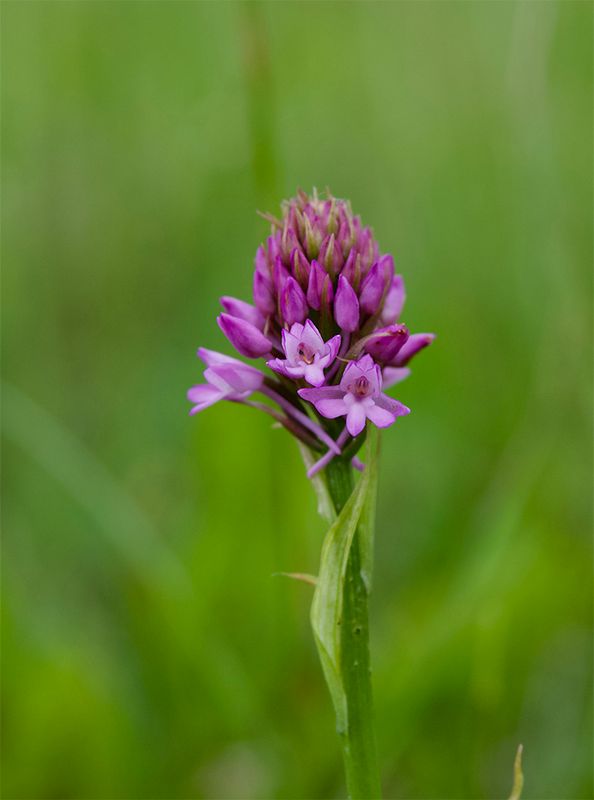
358, 740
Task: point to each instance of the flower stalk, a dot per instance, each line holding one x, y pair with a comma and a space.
358, 736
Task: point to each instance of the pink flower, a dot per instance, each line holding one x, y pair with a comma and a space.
227, 379
358, 397
307, 355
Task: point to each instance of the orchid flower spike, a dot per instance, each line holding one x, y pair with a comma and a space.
323, 294
326, 312
358, 398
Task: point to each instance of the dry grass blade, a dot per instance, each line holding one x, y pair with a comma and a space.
518, 775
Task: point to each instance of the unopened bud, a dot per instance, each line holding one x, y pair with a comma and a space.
326, 296
301, 267
314, 286
394, 301
352, 269
243, 310
384, 344
289, 242
372, 290
245, 337
264, 293
346, 306
293, 305
279, 275
313, 238
330, 255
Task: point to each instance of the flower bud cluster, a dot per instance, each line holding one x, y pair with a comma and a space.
325, 318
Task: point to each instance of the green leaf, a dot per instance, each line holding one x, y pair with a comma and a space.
326, 611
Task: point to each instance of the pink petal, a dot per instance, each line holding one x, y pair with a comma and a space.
415, 343
277, 365
380, 417
393, 406
364, 367
329, 400
314, 374
323, 393
350, 374
290, 342
294, 372
375, 379
312, 337
240, 377
334, 346
211, 358
297, 330
332, 408
219, 381
366, 363
394, 375
355, 420
203, 396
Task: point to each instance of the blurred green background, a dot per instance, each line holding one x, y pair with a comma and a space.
148, 651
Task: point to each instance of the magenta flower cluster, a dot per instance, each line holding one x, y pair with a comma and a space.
326, 320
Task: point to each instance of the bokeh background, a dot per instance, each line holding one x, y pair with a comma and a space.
149, 652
